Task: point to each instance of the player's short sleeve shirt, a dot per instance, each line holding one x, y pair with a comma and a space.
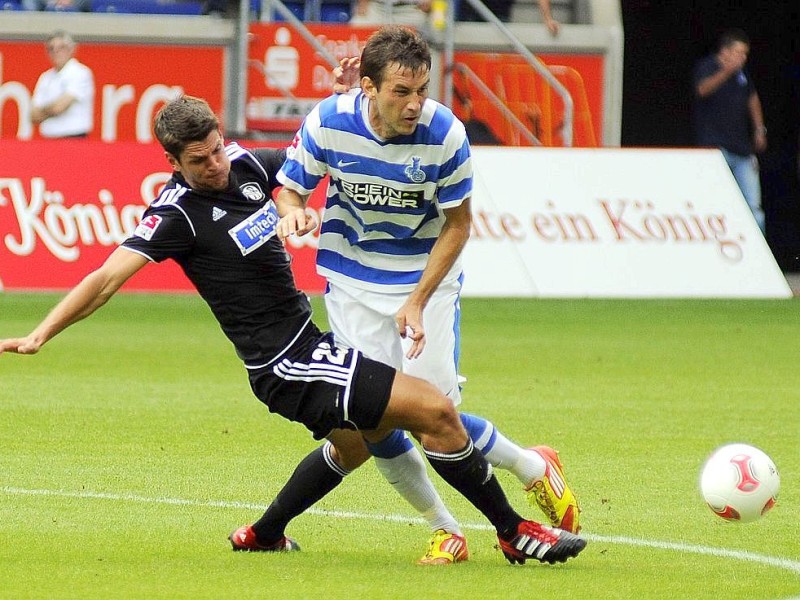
385, 197
226, 245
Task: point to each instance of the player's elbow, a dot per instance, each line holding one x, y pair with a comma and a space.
464, 232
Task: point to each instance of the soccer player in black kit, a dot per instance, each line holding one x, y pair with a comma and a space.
216, 218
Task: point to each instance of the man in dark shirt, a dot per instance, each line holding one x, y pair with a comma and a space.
728, 116
216, 218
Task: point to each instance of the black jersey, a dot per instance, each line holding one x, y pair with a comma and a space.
226, 244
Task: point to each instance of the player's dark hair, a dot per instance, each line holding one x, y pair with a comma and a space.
393, 44
184, 120
732, 36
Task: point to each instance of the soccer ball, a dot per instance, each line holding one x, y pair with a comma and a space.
739, 482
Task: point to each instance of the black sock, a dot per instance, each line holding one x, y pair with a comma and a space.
469, 473
316, 475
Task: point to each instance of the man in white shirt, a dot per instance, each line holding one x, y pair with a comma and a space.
63, 100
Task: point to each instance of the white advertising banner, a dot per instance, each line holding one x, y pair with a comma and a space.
571, 222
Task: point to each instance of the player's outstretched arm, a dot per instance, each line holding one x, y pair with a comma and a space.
85, 298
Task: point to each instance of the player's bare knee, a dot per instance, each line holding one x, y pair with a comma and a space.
444, 417
444, 433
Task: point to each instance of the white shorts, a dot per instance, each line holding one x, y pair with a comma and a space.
365, 320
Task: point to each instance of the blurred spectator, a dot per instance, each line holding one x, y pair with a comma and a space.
58, 5
399, 12
502, 10
728, 116
63, 99
547, 17
220, 8
417, 13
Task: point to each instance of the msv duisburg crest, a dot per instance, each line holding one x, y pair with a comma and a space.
413, 172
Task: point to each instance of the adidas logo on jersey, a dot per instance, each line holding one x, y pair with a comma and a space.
218, 213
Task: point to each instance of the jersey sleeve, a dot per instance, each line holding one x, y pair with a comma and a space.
271, 159
162, 233
305, 164
455, 181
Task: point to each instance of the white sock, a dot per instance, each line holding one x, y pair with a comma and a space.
527, 465
408, 475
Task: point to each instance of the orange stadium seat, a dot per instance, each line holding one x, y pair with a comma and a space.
529, 97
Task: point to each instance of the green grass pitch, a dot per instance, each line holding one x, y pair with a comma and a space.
131, 446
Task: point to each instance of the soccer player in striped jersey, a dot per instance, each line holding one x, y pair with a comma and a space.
396, 219
217, 220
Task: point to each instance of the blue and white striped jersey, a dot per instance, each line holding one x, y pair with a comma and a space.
385, 198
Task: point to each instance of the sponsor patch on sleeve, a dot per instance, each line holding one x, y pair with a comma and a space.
147, 228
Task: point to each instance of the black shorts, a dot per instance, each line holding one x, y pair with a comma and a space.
324, 386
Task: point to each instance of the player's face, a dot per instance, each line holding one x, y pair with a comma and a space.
395, 108
204, 165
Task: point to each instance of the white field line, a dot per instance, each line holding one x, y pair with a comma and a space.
771, 561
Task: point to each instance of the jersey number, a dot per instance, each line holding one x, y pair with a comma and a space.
330, 354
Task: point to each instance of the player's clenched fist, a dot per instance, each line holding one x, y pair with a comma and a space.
297, 221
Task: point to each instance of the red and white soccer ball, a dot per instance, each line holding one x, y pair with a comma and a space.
739, 482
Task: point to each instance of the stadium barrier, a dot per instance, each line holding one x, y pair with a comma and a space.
547, 222
570, 222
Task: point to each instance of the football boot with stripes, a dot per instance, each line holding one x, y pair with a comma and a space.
552, 494
244, 540
445, 549
542, 543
